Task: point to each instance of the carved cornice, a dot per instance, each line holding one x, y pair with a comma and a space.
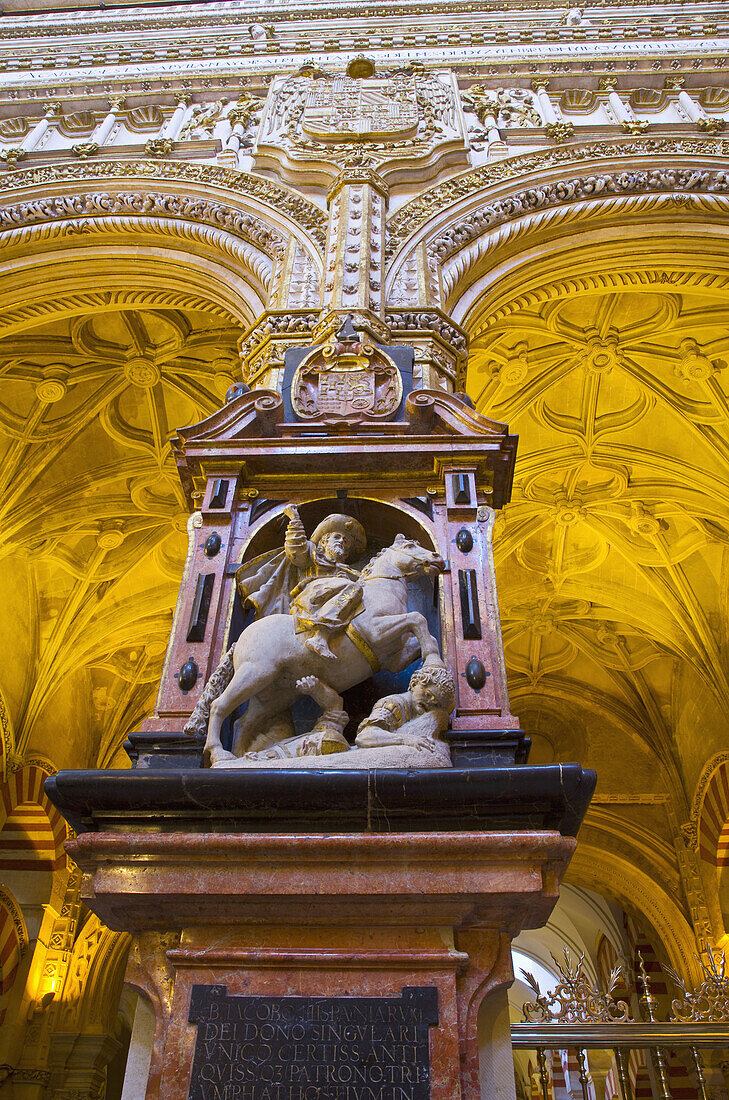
300, 210
414, 215
94, 23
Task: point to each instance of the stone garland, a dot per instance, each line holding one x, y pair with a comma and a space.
104, 204
308, 216
411, 217
572, 190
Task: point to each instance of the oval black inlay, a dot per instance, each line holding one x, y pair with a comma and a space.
212, 544
187, 676
475, 674
464, 540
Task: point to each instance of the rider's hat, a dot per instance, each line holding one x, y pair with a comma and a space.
347, 526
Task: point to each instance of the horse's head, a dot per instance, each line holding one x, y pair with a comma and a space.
412, 558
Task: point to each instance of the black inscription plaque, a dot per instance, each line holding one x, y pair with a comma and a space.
311, 1048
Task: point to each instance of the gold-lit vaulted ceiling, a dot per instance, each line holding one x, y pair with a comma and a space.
611, 556
93, 531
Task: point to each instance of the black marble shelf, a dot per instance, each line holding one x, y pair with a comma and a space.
553, 797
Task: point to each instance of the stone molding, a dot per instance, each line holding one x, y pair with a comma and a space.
639, 277
39, 312
499, 211
623, 207
414, 215
312, 220
690, 829
430, 320
249, 257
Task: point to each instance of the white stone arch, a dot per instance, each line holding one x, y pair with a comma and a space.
467, 224
227, 238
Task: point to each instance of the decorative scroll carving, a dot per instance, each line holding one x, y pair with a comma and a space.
101, 204
415, 214
572, 190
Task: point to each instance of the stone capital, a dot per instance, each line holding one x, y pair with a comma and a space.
353, 174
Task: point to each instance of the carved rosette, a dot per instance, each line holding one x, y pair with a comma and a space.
349, 382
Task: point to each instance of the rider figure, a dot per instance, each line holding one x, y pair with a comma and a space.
328, 594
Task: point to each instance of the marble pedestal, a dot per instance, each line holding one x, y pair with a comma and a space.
379, 916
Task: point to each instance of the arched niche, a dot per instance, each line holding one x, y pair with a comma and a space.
382, 522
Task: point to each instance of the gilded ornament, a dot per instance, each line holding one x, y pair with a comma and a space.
110, 540
51, 390
560, 131
709, 1002
159, 147
85, 149
11, 156
142, 372
574, 1000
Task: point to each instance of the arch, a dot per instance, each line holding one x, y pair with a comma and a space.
94, 979
13, 944
209, 232
610, 875
471, 214
7, 737
23, 804
710, 811
207, 186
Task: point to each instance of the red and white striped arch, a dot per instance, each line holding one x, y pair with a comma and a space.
713, 814
13, 942
32, 830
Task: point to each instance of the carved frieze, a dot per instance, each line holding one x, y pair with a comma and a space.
294, 206
413, 215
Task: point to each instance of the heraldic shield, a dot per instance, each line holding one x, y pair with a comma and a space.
355, 381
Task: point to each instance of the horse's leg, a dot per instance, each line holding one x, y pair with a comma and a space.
247, 681
261, 719
399, 629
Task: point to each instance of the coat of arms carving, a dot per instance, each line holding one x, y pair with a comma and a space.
397, 115
349, 382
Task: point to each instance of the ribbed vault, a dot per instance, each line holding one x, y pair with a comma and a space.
93, 520
612, 365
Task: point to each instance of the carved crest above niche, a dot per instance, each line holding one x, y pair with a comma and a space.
346, 381
317, 122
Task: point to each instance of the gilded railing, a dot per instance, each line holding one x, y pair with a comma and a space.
576, 1017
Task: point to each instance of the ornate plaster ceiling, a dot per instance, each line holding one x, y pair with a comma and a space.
611, 557
93, 531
